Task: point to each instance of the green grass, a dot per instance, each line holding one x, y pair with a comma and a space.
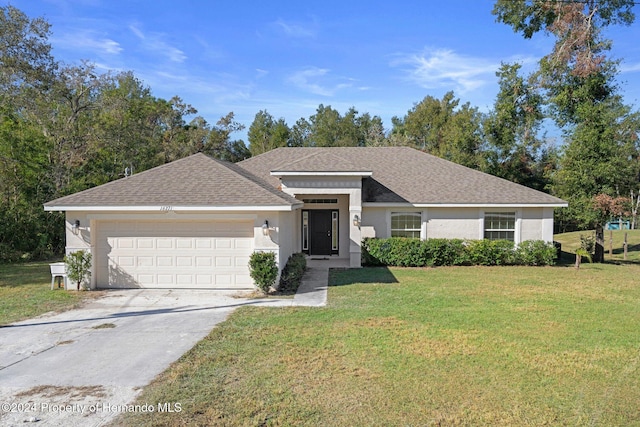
419, 347
571, 241
25, 292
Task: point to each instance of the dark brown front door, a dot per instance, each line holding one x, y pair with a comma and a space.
320, 232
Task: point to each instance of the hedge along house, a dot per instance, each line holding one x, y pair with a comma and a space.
194, 223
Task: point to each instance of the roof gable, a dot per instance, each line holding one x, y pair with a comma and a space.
401, 175
197, 180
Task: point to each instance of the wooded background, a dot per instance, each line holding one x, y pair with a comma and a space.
65, 128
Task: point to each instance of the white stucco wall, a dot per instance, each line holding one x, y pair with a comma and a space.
461, 223
82, 240
454, 223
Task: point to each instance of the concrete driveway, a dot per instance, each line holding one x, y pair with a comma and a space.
82, 367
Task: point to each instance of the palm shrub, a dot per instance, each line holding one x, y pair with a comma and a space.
263, 270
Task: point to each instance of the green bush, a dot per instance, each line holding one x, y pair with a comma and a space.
368, 245
398, 251
263, 270
78, 265
292, 273
404, 252
588, 243
442, 252
536, 252
491, 252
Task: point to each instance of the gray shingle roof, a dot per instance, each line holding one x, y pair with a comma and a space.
320, 160
400, 175
197, 180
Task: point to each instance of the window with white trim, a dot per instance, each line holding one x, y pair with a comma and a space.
500, 225
406, 224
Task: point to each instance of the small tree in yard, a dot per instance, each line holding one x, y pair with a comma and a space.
606, 206
263, 270
581, 252
78, 266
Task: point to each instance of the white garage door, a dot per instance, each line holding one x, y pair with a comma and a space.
174, 254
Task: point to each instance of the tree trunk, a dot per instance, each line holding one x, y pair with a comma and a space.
599, 254
611, 240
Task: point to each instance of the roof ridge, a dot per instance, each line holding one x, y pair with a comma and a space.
258, 181
313, 153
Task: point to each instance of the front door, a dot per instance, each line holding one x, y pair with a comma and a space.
322, 226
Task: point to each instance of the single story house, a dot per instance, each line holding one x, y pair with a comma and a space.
194, 223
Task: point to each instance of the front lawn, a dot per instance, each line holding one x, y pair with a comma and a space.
444, 346
25, 292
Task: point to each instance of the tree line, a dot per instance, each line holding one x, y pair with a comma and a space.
65, 128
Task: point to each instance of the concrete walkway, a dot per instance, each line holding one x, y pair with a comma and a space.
313, 289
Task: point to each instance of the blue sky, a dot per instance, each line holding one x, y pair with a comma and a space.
290, 56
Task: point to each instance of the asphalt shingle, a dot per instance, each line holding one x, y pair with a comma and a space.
197, 180
400, 175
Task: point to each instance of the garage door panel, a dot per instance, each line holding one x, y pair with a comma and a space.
244, 280
164, 243
204, 243
223, 261
146, 243
170, 254
184, 261
241, 260
203, 261
145, 261
165, 261
243, 244
184, 243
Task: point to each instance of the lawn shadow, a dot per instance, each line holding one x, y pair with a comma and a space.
349, 276
568, 259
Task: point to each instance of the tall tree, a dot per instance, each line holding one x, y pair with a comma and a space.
26, 67
576, 25
600, 155
219, 143
328, 128
442, 128
514, 150
265, 133
301, 133
25, 53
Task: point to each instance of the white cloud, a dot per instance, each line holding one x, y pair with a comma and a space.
318, 81
297, 30
85, 40
630, 68
439, 68
154, 43
261, 73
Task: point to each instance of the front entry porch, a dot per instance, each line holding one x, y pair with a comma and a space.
320, 232
329, 221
